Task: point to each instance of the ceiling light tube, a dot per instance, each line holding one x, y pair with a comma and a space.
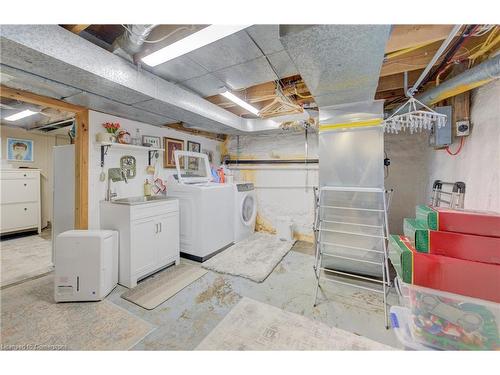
194, 41
240, 102
20, 115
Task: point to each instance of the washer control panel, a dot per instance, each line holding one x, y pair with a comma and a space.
246, 186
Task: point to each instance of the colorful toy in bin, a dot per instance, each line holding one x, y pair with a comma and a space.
452, 324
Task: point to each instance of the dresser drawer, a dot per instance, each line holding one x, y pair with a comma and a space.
19, 216
20, 190
153, 209
19, 175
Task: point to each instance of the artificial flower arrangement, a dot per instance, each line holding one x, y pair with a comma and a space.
111, 127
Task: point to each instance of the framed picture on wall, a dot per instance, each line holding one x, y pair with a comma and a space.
192, 163
151, 141
193, 146
20, 150
171, 145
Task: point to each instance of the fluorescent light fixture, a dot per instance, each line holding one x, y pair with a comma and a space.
20, 115
240, 102
194, 41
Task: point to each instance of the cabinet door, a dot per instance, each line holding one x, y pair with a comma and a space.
168, 237
143, 249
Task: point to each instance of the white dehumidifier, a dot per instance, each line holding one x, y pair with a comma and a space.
86, 265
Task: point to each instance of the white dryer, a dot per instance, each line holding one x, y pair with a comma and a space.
245, 204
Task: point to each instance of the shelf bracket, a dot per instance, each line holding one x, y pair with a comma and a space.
150, 155
104, 151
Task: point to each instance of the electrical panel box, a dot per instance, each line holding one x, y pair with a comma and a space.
441, 137
463, 128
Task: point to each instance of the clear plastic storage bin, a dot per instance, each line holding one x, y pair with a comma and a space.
449, 321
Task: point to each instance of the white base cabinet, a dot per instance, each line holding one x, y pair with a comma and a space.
20, 200
149, 237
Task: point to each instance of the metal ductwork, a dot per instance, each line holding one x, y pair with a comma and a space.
102, 81
339, 63
468, 80
132, 39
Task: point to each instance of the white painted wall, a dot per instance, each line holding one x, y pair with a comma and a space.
134, 187
478, 164
42, 146
284, 190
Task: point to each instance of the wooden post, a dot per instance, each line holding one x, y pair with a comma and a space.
82, 170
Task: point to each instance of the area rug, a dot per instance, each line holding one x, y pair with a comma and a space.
252, 325
163, 285
253, 258
23, 258
31, 320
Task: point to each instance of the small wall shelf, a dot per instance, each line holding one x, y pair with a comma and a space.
106, 145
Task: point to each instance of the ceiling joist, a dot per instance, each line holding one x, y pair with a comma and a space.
77, 29
407, 36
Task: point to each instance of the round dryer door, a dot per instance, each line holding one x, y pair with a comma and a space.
248, 208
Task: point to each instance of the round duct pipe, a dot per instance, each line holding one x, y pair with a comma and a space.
132, 39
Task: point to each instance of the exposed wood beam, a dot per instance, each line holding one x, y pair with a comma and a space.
419, 58
390, 94
407, 36
82, 170
180, 127
28, 97
413, 60
396, 81
260, 93
77, 29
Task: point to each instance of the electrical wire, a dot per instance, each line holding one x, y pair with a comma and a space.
489, 43
451, 52
302, 96
483, 30
458, 150
278, 79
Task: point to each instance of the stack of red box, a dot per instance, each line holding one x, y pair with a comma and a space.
457, 251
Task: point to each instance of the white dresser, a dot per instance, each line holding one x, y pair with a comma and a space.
20, 200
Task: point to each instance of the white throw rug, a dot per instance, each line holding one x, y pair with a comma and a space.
31, 320
24, 257
253, 325
254, 258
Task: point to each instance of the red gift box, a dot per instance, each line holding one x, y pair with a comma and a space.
465, 246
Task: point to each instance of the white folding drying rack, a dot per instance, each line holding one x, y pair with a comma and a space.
351, 247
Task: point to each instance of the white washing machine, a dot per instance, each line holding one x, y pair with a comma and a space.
245, 210
206, 209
